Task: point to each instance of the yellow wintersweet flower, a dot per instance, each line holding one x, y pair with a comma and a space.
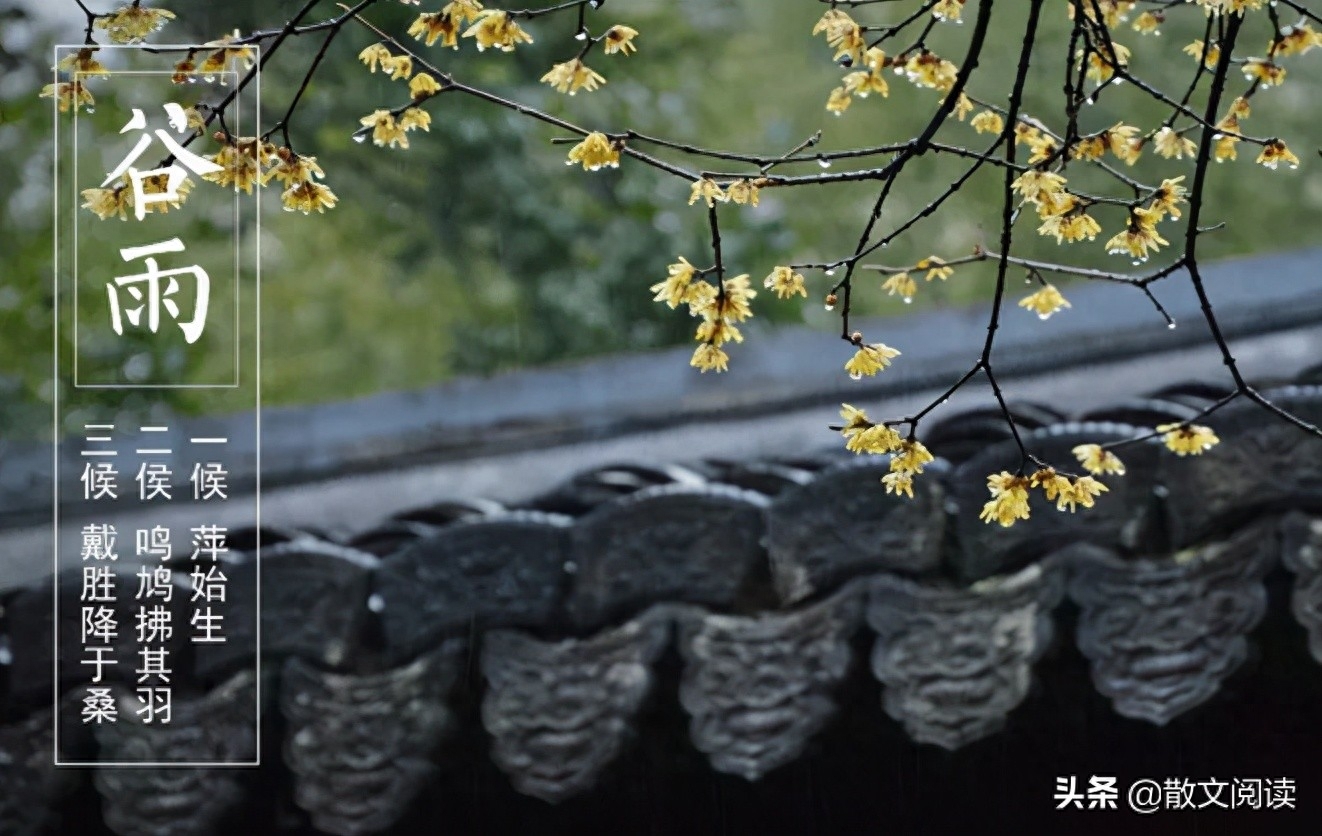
423, 85
1210, 58
898, 483
1188, 439
710, 358
901, 284
399, 66
463, 10
106, 203
839, 101
83, 63
494, 28
433, 26
240, 159
291, 169
385, 130
854, 418
926, 69
674, 290
1263, 71
1039, 186
374, 55
1123, 142
1149, 23
1274, 153
863, 82
876, 439
708, 190
132, 23
1140, 236
936, 268
572, 76
619, 39
1084, 489
183, 71
1171, 145
1041, 148
69, 94
911, 457
415, 117
1168, 197
1100, 68
743, 192
948, 10
1071, 228
863, 436
595, 151
785, 282
1098, 461
1057, 488
842, 33
160, 184
1009, 502
1113, 12
307, 196
1223, 143
1295, 40
1090, 147
963, 107
987, 122
1045, 302
718, 332
732, 303
870, 359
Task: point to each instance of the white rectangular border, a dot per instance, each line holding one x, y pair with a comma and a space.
55, 435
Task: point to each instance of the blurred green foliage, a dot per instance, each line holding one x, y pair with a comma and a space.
478, 250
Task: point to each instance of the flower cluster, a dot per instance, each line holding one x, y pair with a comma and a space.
720, 307
132, 23
908, 455
595, 151
1188, 439
1010, 494
118, 198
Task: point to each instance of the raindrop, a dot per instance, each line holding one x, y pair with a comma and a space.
847, 61
91, 110
823, 162
208, 78
581, 35
359, 137
1171, 325
6, 657
376, 603
855, 375
908, 300
1043, 316
596, 4
1292, 165
1117, 81
830, 271
1091, 100
829, 306
571, 567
